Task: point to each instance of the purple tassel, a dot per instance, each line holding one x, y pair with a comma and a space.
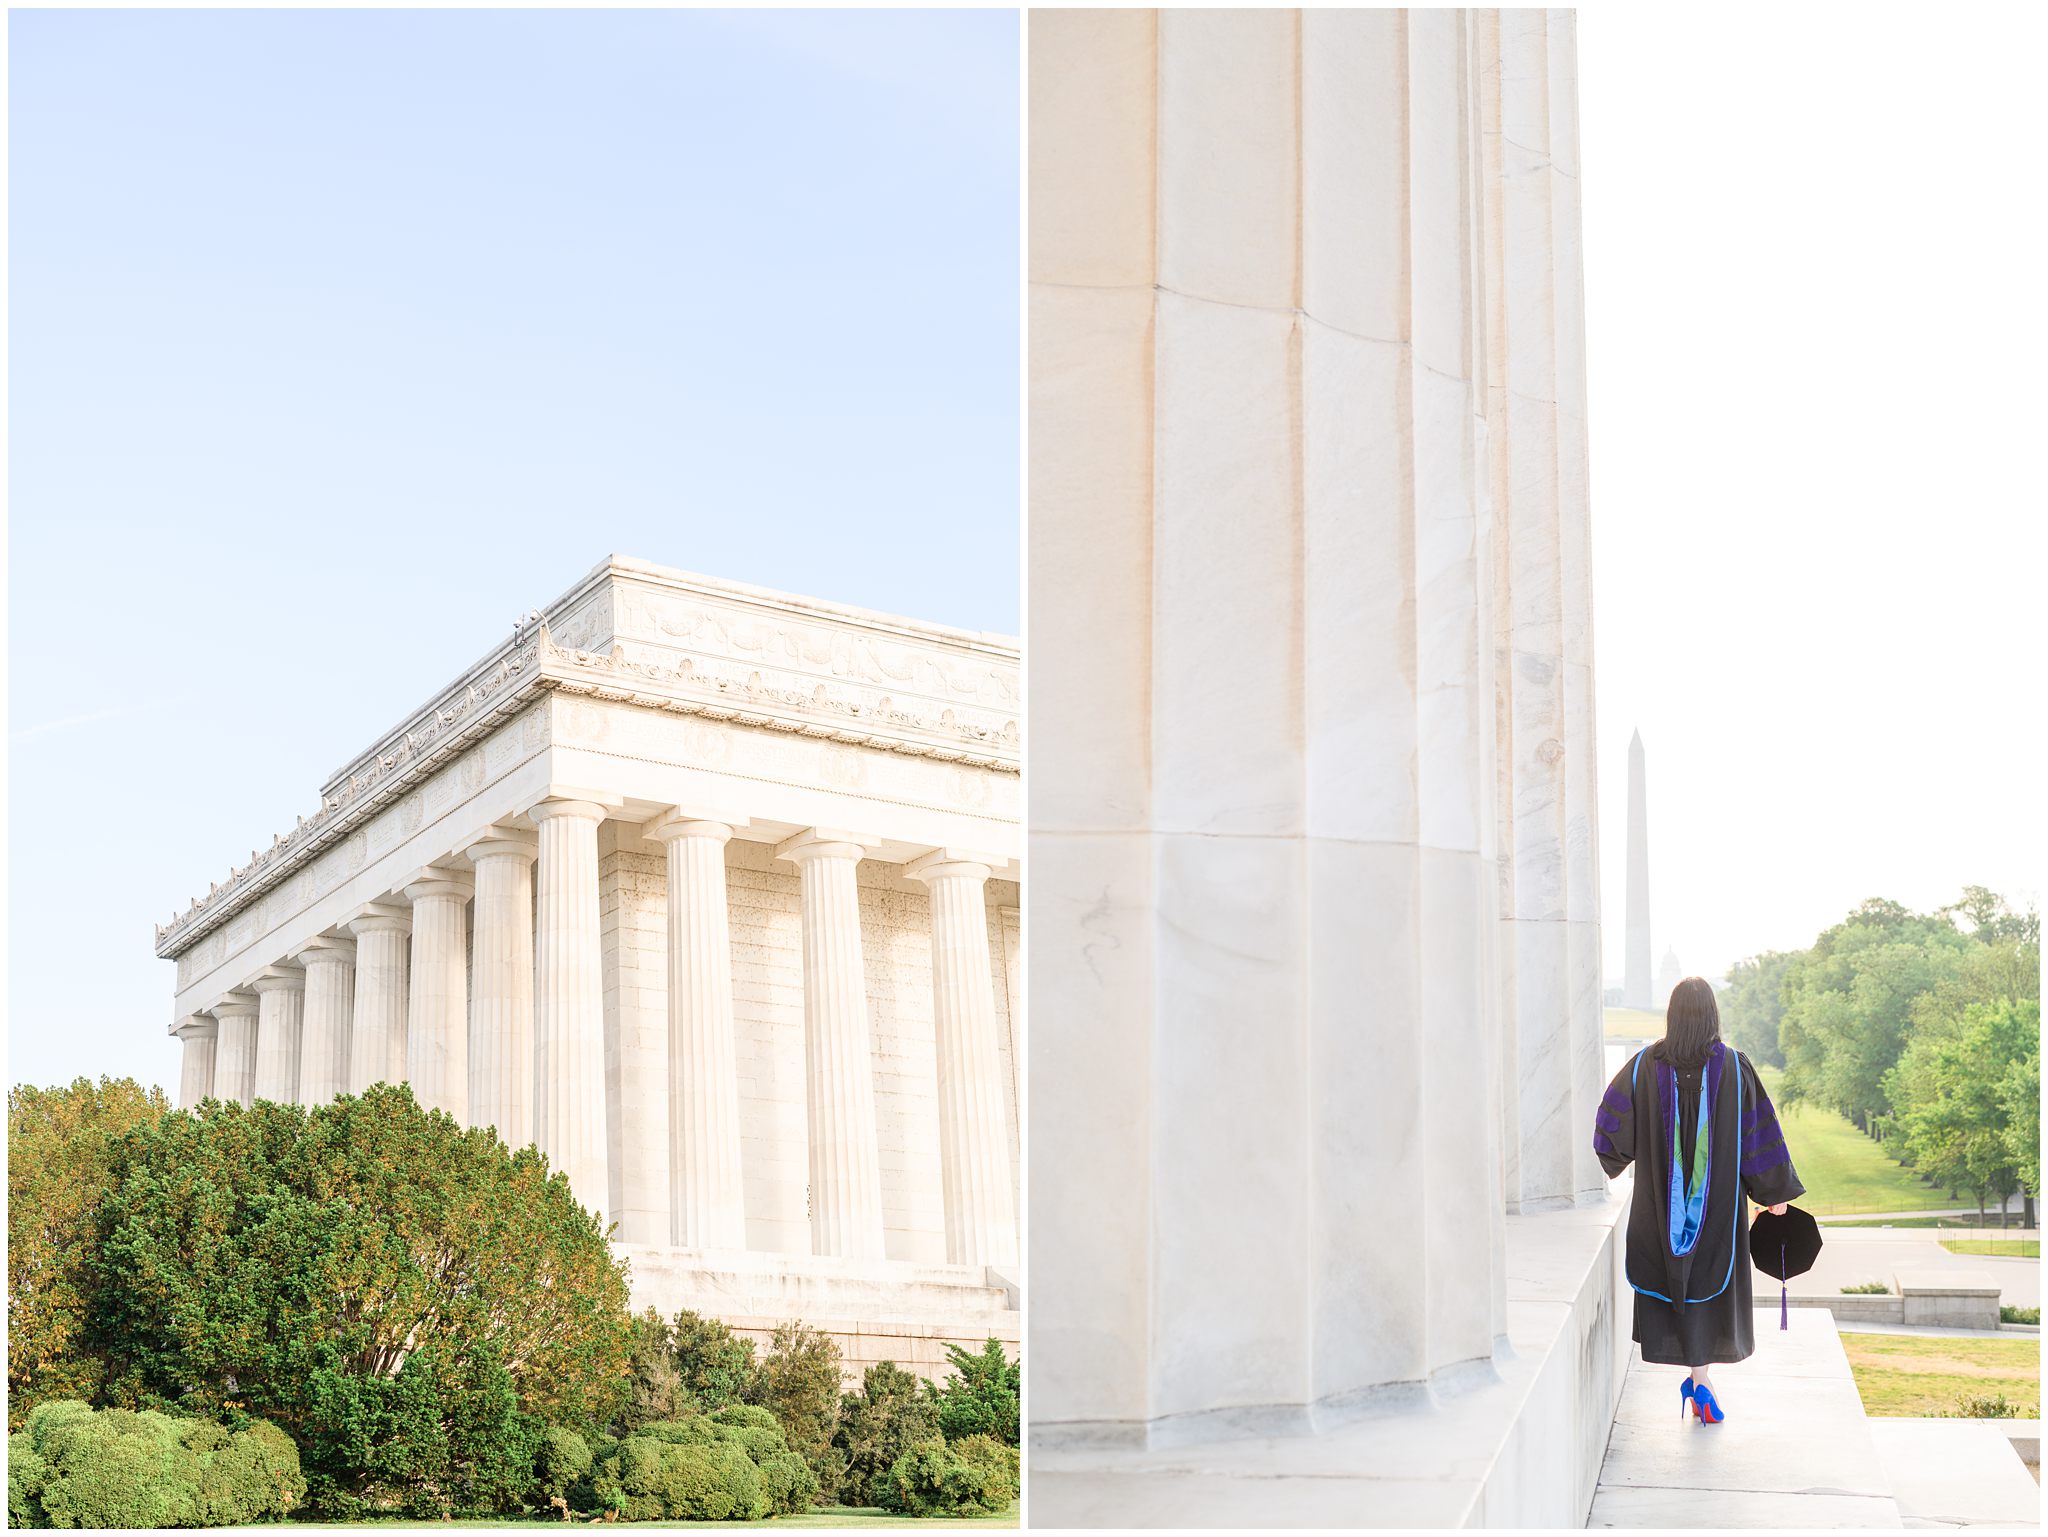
1784, 1290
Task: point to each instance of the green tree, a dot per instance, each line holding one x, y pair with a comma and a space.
1848, 1004
655, 1385
2021, 1094
408, 1299
716, 1366
59, 1153
983, 1397
1751, 1007
798, 1383
1952, 1088
877, 1425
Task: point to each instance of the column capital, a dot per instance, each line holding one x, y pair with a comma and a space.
436, 882
195, 1027
691, 822
380, 918
943, 862
826, 841
326, 947
504, 841
284, 977
574, 801
235, 1005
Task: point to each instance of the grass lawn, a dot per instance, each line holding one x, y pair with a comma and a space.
827, 1516
2014, 1248
1634, 1025
1843, 1169
1911, 1374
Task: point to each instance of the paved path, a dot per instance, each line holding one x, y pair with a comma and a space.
1990, 1230
1795, 1450
1852, 1255
1932, 1331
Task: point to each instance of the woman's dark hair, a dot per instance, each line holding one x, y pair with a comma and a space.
1692, 1023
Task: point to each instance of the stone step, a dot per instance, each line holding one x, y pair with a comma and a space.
1957, 1473
1795, 1451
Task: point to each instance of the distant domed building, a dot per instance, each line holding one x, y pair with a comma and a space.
1669, 975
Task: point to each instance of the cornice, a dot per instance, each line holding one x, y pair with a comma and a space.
530, 664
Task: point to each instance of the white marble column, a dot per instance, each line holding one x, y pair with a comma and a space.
706, 1189
376, 1047
281, 1001
981, 1222
234, 1061
845, 1156
437, 1007
330, 1006
568, 1006
198, 1036
1309, 608
501, 1008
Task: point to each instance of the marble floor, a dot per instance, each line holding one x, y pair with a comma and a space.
1796, 1450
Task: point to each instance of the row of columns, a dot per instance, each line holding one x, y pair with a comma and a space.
513, 1037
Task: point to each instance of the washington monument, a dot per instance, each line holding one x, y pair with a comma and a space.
1635, 987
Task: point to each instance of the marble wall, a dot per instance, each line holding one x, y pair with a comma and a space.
1314, 910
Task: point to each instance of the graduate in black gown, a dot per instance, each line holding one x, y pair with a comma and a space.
1691, 1114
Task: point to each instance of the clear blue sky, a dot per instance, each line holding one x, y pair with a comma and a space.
339, 338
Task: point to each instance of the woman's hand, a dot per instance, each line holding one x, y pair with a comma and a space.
1778, 1210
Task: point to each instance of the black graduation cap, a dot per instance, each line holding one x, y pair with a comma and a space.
1783, 1247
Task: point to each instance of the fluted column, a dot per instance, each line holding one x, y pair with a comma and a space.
707, 1194
845, 1158
197, 1035
568, 1005
281, 1011
376, 1047
501, 1010
981, 1222
437, 1007
234, 1060
330, 1004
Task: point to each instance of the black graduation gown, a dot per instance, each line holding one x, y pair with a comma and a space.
1690, 1267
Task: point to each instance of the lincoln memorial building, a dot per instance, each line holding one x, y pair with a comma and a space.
709, 892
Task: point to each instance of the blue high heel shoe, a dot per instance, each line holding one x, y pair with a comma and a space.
1684, 1397
1705, 1407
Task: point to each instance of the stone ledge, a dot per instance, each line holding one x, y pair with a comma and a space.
1957, 1473
1521, 1448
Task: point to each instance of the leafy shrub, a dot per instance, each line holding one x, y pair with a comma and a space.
798, 1384
730, 1466
1000, 1467
788, 1484
716, 1365
71, 1465
643, 1479
984, 1395
878, 1425
2008, 1314
412, 1299
1867, 1289
562, 1461
932, 1479
655, 1390
1996, 1406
